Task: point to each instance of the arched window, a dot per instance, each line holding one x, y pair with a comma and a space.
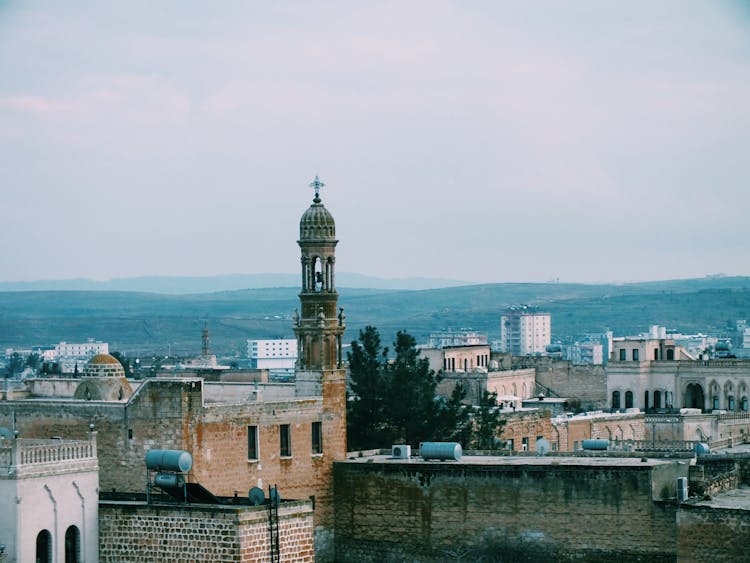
657, 399
715, 402
670, 353
628, 399
744, 404
645, 400
72, 545
44, 547
615, 399
730, 403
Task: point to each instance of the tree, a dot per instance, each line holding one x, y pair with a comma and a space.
412, 410
396, 401
365, 410
15, 364
487, 423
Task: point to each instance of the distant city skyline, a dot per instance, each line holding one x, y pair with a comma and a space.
485, 142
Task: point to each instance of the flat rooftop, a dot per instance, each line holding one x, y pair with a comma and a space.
572, 461
734, 498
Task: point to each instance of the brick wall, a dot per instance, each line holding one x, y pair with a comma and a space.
712, 534
432, 511
136, 532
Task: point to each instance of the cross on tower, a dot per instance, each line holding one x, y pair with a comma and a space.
316, 184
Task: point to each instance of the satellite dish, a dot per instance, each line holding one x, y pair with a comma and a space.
275, 495
542, 446
256, 496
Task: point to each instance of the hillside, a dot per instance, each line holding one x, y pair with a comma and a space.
149, 323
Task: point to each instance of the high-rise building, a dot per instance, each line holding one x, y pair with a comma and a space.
525, 331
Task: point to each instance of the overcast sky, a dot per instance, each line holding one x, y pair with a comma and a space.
481, 141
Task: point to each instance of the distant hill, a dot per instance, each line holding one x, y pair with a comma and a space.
150, 323
205, 284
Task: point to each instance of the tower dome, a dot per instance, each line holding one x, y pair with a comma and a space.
317, 223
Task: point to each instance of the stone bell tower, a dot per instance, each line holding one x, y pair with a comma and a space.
319, 326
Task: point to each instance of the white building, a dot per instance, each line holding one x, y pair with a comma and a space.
525, 331
585, 353
69, 355
49, 498
278, 356
463, 337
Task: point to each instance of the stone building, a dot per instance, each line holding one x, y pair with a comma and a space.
49, 495
239, 439
552, 508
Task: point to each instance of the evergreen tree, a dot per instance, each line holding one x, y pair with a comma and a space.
487, 423
365, 410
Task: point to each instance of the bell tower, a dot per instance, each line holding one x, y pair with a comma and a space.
319, 326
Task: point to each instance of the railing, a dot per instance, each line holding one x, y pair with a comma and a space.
36, 452
663, 445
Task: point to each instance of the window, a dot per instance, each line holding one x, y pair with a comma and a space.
510, 444
615, 399
635, 354
72, 545
656, 353
716, 402
743, 404
524, 444
657, 399
130, 433
623, 353
730, 403
252, 443
317, 438
44, 547
628, 399
285, 441
645, 400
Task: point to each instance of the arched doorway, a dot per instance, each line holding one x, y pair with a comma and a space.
43, 547
72, 545
694, 398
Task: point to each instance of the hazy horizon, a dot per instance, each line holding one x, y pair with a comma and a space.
489, 142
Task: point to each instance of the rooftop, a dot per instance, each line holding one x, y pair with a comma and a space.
569, 461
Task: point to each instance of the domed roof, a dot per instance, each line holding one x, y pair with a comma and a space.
317, 222
103, 365
103, 359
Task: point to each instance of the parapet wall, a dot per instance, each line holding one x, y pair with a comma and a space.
136, 531
424, 512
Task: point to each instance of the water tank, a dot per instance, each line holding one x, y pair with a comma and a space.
441, 450
702, 448
169, 480
169, 460
595, 444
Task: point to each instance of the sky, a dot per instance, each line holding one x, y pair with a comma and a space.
485, 141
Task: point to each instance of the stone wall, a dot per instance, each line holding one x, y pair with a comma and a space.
587, 511
712, 534
132, 531
586, 383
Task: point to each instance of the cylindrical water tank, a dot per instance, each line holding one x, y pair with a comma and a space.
702, 448
169, 460
169, 480
595, 444
441, 450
